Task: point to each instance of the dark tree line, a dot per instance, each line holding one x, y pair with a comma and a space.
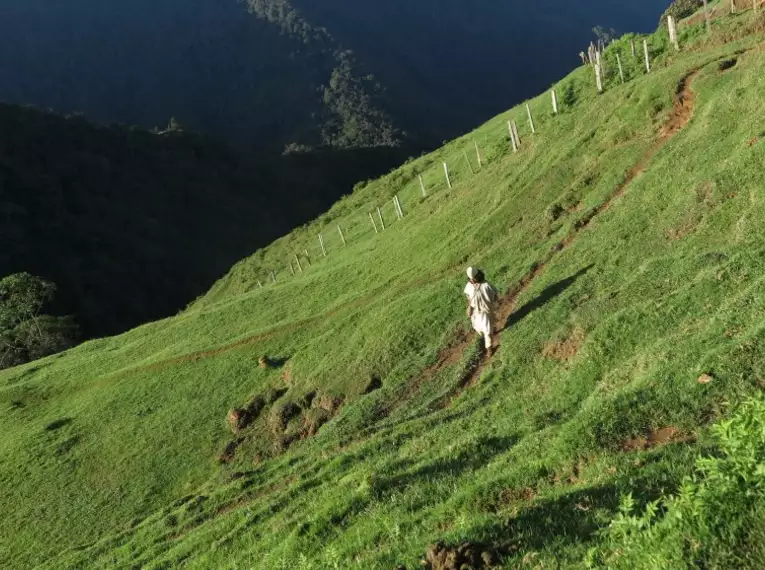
133, 225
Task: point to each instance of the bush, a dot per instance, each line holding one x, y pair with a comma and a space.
716, 520
681, 9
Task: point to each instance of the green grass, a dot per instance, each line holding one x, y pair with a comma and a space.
108, 452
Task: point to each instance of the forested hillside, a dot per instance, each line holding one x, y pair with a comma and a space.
132, 225
447, 65
209, 63
272, 73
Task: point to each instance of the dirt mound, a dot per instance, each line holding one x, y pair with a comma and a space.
466, 556
313, 420
229, 451
281, 415
329, 403
241, 418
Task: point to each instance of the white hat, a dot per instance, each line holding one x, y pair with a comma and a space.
472, 272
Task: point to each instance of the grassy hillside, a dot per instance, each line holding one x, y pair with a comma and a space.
626, 237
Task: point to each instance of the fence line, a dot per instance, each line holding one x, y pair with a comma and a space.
594, 58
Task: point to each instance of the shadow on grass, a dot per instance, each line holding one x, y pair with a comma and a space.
544, 297
573, 518
478, 456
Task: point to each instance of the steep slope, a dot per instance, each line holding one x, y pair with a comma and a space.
625, 236
132, 226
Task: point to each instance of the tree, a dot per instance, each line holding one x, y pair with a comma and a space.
22, 297
25, 334
605, 35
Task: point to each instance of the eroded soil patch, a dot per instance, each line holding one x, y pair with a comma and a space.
656, 438
566, 349
466, 556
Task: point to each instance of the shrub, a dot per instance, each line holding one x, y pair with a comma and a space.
717, 518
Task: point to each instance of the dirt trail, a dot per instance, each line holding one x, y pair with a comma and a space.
453, 353
681, 114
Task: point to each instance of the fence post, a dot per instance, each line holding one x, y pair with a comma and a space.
673, 32
422, 186
554, 102
395, 207
478, 155
512, 136
260, 285
448, 180
515, 134
598, 75
531, 120
374, 225
707, 17
732, 6
621, 69
321, 243
307, 257
300, 267
292, 269
632, 44
342, 236
382, 222
398, 207
273, 277
647, 58
470, 166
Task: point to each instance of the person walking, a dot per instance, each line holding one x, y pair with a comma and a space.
482, 300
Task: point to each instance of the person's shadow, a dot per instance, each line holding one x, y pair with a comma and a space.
544, 297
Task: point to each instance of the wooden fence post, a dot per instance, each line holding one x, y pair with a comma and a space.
554, 102
395, 208
531, 120
422, 186
398, 207
382, 222
707, 17
515, 134
673, 32
470, 166
292, 269
448, 180
273, 277
260, 285
512, 136
342, 235
307, 257
478, 155
374, 225
621, 69
300, 266
732, 6
632, 45
598, 74
647, 58
321, 243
